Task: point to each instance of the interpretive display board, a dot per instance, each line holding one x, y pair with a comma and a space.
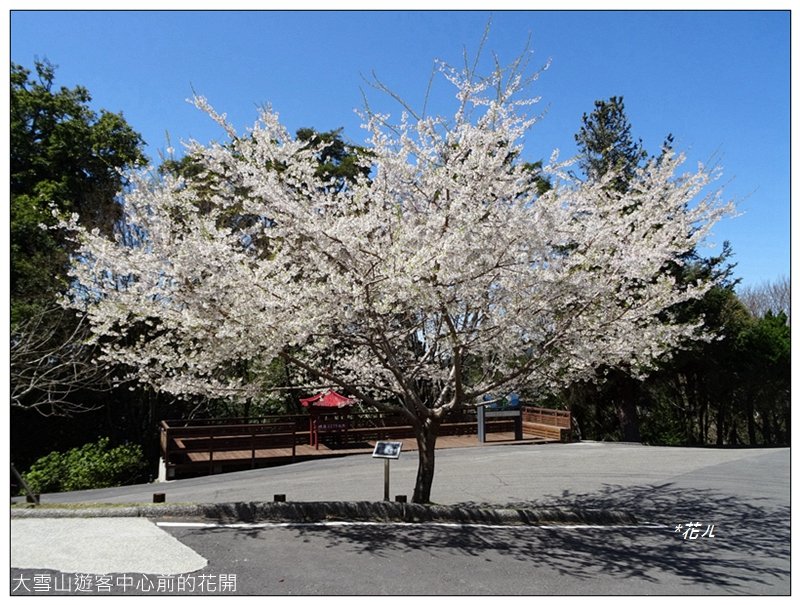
387, 449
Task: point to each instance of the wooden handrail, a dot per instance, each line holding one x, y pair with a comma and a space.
194, 432
559, 418
230, 429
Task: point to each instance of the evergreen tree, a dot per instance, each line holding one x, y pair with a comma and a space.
63, 155
605, 144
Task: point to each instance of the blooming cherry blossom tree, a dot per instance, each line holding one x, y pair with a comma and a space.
438, 278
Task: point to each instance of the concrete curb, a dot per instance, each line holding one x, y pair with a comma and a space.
311, 512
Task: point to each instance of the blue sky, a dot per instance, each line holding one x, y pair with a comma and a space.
718, 81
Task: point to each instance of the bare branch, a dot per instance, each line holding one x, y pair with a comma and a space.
768, 296
52, 361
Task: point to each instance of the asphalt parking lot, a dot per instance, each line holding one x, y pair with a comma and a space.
740, 495
491, 474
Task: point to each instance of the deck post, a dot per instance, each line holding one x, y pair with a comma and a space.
165, 439
165, 473
253, 447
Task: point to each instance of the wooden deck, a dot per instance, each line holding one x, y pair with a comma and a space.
203, 447
304, 452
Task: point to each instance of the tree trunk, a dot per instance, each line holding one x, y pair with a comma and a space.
751, 421
766, 429
787, 427
734, 436
626, 409
629, 421
426, 443
704, 419
721, 423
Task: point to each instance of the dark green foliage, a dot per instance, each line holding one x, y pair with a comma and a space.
605, 143
542, 184
766, 359
338, 161
690, 390
91, 466
67, 158
64, 155
733, 389
188, 167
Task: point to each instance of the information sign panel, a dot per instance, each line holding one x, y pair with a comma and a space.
387, 449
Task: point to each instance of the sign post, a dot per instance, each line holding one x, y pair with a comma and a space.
500, 409
386, 496
388, 450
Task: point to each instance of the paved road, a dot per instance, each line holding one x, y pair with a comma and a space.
743, 493
493, 474
433, 559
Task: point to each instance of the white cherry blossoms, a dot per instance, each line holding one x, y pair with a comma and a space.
441, 276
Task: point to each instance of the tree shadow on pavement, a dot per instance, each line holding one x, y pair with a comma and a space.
750, 546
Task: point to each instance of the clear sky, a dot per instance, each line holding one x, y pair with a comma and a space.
718, 81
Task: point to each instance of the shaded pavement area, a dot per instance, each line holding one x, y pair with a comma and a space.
743, 494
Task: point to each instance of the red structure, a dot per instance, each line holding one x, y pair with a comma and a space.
329, 412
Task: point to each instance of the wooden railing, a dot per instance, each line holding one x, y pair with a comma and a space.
560, 418
211, 436
547, 423
192, 443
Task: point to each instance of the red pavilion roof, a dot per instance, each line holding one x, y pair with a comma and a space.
329, 399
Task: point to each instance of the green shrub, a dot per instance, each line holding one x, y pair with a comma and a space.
90, 466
